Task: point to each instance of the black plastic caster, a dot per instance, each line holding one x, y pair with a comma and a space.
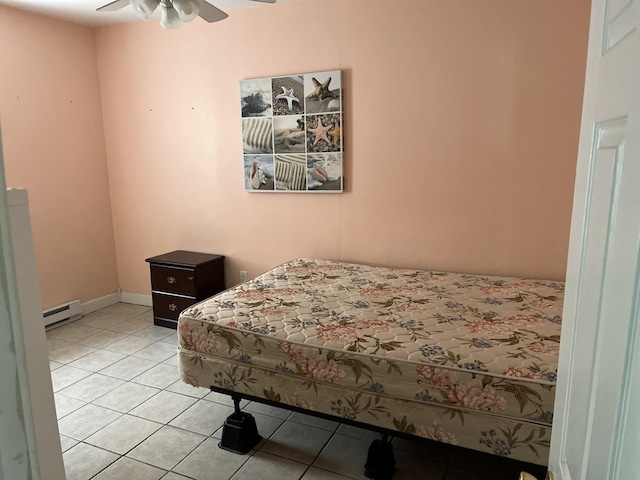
239, 433
381, 462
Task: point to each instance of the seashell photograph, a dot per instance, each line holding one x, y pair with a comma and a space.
258, 172
324, 171
255, 98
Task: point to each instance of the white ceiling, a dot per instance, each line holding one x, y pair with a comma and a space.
84, 11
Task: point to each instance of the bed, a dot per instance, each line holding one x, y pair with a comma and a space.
463, 359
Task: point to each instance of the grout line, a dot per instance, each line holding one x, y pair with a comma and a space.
251, 453
333, 434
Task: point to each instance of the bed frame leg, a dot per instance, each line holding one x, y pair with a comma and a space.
239, 432
381, 463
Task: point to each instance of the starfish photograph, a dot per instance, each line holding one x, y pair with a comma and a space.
320, 132
288, 95
322, 92
335, 134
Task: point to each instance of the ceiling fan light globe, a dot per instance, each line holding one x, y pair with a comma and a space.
187, 9
169, 17
144, 8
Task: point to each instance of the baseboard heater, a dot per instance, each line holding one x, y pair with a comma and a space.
62, 312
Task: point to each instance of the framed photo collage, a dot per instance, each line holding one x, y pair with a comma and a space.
292, 133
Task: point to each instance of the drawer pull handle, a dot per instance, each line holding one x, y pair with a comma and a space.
173, 307
171, 279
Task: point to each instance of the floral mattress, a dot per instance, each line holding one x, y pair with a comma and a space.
463, 359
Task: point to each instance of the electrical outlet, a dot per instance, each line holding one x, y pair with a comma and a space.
243, 276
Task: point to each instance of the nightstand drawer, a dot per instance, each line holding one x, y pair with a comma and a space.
169, 306
181, 278
173, 280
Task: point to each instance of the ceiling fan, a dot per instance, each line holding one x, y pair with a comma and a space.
172, 12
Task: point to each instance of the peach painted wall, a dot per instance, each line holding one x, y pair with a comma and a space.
461, 129
54, 146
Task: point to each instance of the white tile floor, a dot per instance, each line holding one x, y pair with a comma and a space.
124, 413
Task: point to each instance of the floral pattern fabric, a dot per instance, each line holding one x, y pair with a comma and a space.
449, 343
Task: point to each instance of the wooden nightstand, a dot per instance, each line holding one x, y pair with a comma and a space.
179, 279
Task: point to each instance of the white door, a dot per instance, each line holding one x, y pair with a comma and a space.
596, 432
29, 439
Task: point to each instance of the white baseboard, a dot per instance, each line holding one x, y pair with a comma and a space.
98, 303
136, 299
113, 298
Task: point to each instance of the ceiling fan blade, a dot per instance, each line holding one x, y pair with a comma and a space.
264, 1
210, 13
113, 6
